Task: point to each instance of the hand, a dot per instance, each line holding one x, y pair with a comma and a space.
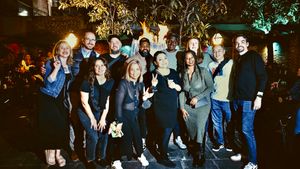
93, 123
171, 84
185, 114
56, 63
43, 70
257, 103
146, 94
101, 125
154, 80
194, 101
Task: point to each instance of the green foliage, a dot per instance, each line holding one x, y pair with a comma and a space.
190, 14
113, 16
265, 13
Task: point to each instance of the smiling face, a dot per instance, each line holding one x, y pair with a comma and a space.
172, 43
64, 50
219, 53
161, 61
115, 45
89, 40
100, 68
241, 45
134, 71
193, 44
189, 59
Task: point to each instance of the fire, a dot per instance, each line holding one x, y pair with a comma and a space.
157, 42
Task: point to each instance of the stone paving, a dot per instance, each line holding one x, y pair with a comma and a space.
17, 147
13, 158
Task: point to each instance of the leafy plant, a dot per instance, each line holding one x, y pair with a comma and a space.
265, 13
112, 16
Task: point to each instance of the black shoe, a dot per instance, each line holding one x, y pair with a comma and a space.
102, 162
167, 162
91, 165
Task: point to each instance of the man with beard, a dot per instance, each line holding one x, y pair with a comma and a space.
82, 58
114, 58
250, 79
144, 56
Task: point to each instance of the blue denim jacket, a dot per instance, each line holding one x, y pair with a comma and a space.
53, 88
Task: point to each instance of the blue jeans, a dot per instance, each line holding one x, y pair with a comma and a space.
297, 122
165, 134
218, 108
96, 141
247, 119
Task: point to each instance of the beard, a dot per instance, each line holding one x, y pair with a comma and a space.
144, 53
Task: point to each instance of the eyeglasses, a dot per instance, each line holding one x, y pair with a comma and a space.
91, 40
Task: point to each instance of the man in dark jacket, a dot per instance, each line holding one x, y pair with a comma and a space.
250, 79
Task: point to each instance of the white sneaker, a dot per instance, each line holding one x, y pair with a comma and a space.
143, 160
179, 143
116, 165
144, 143
251, 166
237, 157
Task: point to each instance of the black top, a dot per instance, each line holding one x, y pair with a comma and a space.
128, 98
100, 93
165, 100
115, 66
80, 68
250, 76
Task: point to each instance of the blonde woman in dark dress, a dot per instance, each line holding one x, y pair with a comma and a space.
54, 104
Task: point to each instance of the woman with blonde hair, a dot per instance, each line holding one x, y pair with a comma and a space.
54, 104
130, 97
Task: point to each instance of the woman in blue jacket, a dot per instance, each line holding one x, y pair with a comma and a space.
54, 104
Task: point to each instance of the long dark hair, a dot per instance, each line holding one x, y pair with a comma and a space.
92, 75
91, 79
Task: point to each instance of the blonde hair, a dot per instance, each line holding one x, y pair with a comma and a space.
56, 49
127, 76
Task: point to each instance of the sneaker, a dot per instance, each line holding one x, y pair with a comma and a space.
250, 166
116, 165
229, 149
143, 160
144, 143
217, 147
179, 143
237, 157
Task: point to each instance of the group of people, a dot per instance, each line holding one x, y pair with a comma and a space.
117, 103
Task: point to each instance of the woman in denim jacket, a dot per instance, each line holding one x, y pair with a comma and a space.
54, 104
95, 91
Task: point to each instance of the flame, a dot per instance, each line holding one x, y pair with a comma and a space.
157, 42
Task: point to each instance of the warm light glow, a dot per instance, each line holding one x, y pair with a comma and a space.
157, 42
72, 40
217, 39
